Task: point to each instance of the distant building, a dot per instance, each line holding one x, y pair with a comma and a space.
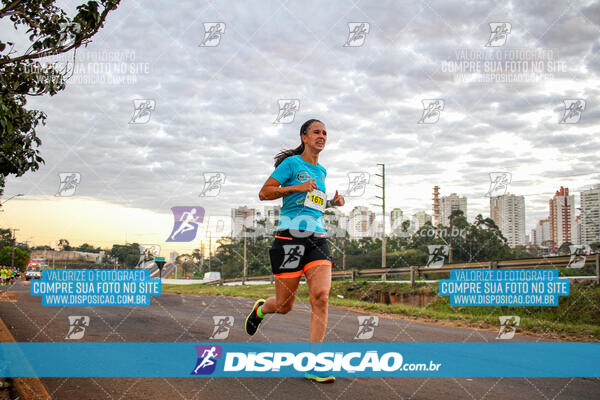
70, 255
396, 219
361, 223
419, 219
240, 217
508, 212
378, 230
590, 215
542, 232
272, 214
335, 220
562, 217
577, 231
173, 257
449, 204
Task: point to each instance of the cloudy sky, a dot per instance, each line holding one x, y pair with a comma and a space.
215, 106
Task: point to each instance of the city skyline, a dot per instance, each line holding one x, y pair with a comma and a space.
217, 226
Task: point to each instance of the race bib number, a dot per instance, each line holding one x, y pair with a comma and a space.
315, 199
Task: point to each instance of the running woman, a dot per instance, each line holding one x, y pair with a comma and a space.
300, 245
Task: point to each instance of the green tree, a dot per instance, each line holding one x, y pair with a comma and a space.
44, 247
88, 248
63, 245
406, 258
21, 257
49, 31
127, 255
523, 252
485, 242
564, 249
6, 238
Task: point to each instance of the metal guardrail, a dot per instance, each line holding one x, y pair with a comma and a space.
413, 270
545, 262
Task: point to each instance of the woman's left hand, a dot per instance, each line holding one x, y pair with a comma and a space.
338, 199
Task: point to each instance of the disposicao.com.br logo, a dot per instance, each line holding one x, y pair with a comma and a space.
369, 361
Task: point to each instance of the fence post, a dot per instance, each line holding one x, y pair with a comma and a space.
412, 276
272, 279
353, 275
384, 277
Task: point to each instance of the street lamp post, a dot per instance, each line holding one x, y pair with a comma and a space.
11, 197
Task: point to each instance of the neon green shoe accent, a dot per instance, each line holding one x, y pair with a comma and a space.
253, 320
319, 379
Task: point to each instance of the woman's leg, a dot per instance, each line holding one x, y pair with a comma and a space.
319, 285
285, 294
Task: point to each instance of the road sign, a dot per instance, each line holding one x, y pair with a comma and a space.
160, 263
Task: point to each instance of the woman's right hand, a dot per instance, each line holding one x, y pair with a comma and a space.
307, 186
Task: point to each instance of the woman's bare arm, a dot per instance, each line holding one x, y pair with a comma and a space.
271, 190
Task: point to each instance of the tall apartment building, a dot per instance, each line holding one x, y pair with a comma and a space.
272, 214
396, 218
562, 217
532, 237
240, 217
361, 223
577, 230
419, 219
542, 232
449, 204
508, 212
590, 215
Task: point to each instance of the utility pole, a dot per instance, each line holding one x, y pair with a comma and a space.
245, 261
209, 249
202, 255
450, 249
14, 240
382, 197
344, 253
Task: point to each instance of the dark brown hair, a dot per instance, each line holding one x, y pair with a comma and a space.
282, 155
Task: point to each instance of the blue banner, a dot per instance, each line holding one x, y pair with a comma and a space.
95, 287
366, 359
516, 287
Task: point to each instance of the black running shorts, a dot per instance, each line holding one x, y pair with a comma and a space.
295, 252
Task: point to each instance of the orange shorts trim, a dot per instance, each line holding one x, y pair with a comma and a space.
316, 263
308, 266
283, 237
294, 274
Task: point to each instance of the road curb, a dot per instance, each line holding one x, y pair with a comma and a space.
28, 388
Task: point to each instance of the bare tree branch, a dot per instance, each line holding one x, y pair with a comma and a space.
9, 8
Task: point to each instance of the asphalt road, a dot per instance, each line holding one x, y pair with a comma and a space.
188, 318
